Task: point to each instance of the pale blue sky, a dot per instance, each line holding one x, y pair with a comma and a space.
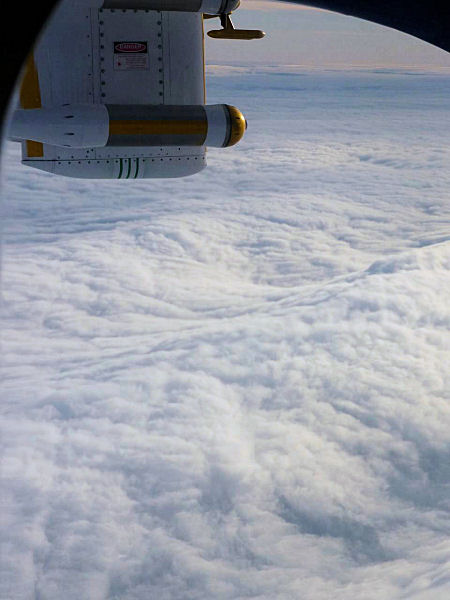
309, 37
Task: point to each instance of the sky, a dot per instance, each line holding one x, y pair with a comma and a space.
317, 38
236, 385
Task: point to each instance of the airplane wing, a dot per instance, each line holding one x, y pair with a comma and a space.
116, 92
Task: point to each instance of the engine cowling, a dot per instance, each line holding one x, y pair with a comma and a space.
101, 125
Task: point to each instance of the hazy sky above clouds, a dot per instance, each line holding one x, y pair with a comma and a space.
316, 38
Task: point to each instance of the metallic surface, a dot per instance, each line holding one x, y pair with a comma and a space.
237, 124
157, 125
181, 5
205, 6
68, 126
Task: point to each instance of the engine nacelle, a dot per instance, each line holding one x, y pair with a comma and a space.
67, 126
101, 125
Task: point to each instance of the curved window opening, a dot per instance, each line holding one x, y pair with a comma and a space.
233, 384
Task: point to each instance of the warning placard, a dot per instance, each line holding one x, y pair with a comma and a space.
130, 56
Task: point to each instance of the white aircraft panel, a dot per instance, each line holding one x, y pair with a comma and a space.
64, 64
127, 76
183, 58
64, 60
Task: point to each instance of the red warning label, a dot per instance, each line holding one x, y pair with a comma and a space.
130, 56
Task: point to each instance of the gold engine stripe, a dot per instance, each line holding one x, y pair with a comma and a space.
30, 97
158, 127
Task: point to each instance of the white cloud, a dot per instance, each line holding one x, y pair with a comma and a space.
236, 385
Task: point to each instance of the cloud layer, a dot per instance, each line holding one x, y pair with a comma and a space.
236, 385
